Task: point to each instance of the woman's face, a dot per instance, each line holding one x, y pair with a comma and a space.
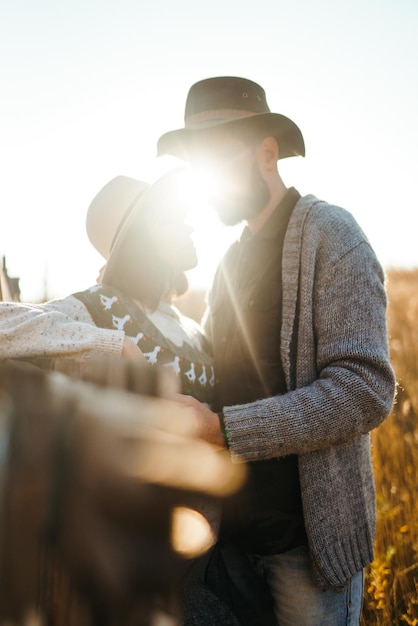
172, 235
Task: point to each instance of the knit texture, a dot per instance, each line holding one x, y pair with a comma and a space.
341, 385
58, 328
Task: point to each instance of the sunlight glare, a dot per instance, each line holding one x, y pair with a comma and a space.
191, 534
210, 236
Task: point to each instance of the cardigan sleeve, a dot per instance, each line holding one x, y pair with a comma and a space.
348, 385
61, 327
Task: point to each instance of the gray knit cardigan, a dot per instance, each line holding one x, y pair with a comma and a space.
340, 387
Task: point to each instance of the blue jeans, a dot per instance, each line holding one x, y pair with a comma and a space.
298, 602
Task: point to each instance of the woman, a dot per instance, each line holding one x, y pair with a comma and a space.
140, 231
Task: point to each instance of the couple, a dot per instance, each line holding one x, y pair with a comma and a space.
296, 323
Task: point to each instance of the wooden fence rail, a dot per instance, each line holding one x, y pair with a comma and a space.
98, 471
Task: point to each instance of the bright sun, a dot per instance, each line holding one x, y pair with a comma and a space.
211, 237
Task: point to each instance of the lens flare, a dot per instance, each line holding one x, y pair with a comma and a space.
191, 534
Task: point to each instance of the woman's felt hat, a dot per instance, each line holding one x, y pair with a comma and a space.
115, 209
233, 103
109, 208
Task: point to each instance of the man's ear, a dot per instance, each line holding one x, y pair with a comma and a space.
268, 153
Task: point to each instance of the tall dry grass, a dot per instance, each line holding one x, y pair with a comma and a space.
391, 590
391, 586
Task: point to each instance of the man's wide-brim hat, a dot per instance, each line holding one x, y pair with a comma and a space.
233, 103
115, 211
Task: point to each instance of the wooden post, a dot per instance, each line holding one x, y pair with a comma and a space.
9, 287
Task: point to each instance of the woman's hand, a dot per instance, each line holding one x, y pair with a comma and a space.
131, 351
208, 424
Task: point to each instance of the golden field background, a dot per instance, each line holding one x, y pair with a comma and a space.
391, 590
391, 586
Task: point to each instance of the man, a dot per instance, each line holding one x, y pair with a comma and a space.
297, 317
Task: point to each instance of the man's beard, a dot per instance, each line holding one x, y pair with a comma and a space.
235, 207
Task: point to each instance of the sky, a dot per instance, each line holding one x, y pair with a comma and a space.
87, 87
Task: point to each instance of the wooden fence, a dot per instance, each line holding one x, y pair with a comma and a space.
99, 467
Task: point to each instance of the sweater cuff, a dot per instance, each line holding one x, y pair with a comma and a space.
223, 428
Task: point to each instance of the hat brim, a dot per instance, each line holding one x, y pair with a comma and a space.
180, 142
161, 191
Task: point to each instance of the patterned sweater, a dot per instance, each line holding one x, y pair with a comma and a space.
95, 321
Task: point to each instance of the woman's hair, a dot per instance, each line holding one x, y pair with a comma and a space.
139, 272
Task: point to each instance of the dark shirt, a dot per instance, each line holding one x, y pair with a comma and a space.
266, 516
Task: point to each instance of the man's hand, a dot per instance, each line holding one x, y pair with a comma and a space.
208, 424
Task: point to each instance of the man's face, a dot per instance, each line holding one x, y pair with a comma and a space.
238, 190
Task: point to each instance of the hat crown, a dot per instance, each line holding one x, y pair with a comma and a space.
223, 93
232, 104
109, 209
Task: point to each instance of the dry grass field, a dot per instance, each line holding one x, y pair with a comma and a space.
391, 588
